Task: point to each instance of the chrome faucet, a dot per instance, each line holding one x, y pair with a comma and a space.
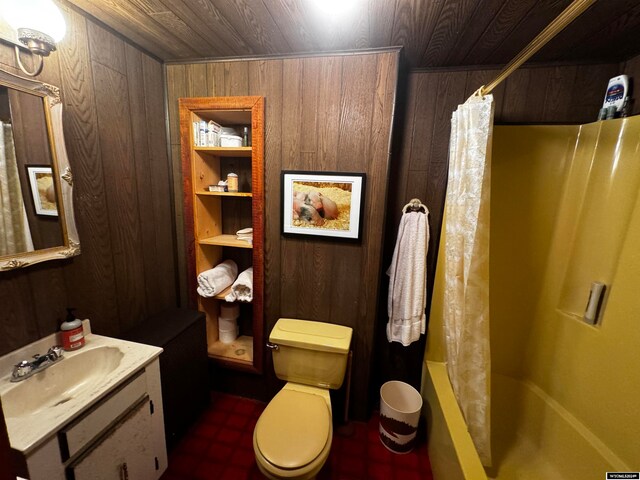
26, 368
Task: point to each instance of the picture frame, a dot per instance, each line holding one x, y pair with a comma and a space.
323, 204
42, 189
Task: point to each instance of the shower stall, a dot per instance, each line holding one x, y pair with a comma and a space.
565, 212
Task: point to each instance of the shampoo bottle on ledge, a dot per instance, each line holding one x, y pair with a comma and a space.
71, 333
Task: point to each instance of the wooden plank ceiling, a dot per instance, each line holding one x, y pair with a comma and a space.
434, 33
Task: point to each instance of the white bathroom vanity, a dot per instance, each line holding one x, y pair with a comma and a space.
95, 414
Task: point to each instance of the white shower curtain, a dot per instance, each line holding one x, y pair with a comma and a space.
466, 293
15, 236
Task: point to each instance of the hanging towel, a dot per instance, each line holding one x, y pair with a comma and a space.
408, 280
242, 288
212, 282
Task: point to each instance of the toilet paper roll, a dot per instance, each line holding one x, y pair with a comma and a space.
228, 336
229, 310
227, 323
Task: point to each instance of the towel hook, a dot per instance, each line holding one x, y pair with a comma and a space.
415, 205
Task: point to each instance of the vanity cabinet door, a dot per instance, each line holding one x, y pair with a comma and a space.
123, 453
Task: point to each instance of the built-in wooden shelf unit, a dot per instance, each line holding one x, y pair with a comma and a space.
212, 219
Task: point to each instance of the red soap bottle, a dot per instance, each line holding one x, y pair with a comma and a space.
71, 334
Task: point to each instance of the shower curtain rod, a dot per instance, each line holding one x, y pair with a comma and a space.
569, 14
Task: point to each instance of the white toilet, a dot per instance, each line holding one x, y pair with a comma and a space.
292, 438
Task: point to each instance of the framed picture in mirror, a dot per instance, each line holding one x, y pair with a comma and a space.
43, 189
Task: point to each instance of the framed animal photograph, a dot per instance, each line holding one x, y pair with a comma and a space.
43, 190
323, 204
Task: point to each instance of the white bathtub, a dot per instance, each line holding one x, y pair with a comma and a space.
533, 437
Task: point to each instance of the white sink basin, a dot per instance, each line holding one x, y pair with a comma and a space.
68, 378
37, 407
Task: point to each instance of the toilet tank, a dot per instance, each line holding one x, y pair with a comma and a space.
310, 353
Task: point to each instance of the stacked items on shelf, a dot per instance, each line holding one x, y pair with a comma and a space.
216, 280
206, 134
228, 328
212, 134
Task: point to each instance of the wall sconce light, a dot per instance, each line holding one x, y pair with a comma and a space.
40, 26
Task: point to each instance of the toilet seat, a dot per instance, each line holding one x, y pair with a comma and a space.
294, 429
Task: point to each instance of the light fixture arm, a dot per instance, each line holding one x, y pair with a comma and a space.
38, 67
38, 24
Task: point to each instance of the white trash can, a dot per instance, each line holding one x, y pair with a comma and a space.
400, 406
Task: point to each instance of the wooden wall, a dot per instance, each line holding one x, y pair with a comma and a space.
327, 113
543, 94
632, 68
115, 135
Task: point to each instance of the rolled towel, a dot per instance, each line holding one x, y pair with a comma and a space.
212, 282
242, 288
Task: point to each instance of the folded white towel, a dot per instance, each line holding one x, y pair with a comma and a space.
245, 234
242, 288
212, 282
408, 280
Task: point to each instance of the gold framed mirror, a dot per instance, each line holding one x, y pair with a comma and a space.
36, 185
